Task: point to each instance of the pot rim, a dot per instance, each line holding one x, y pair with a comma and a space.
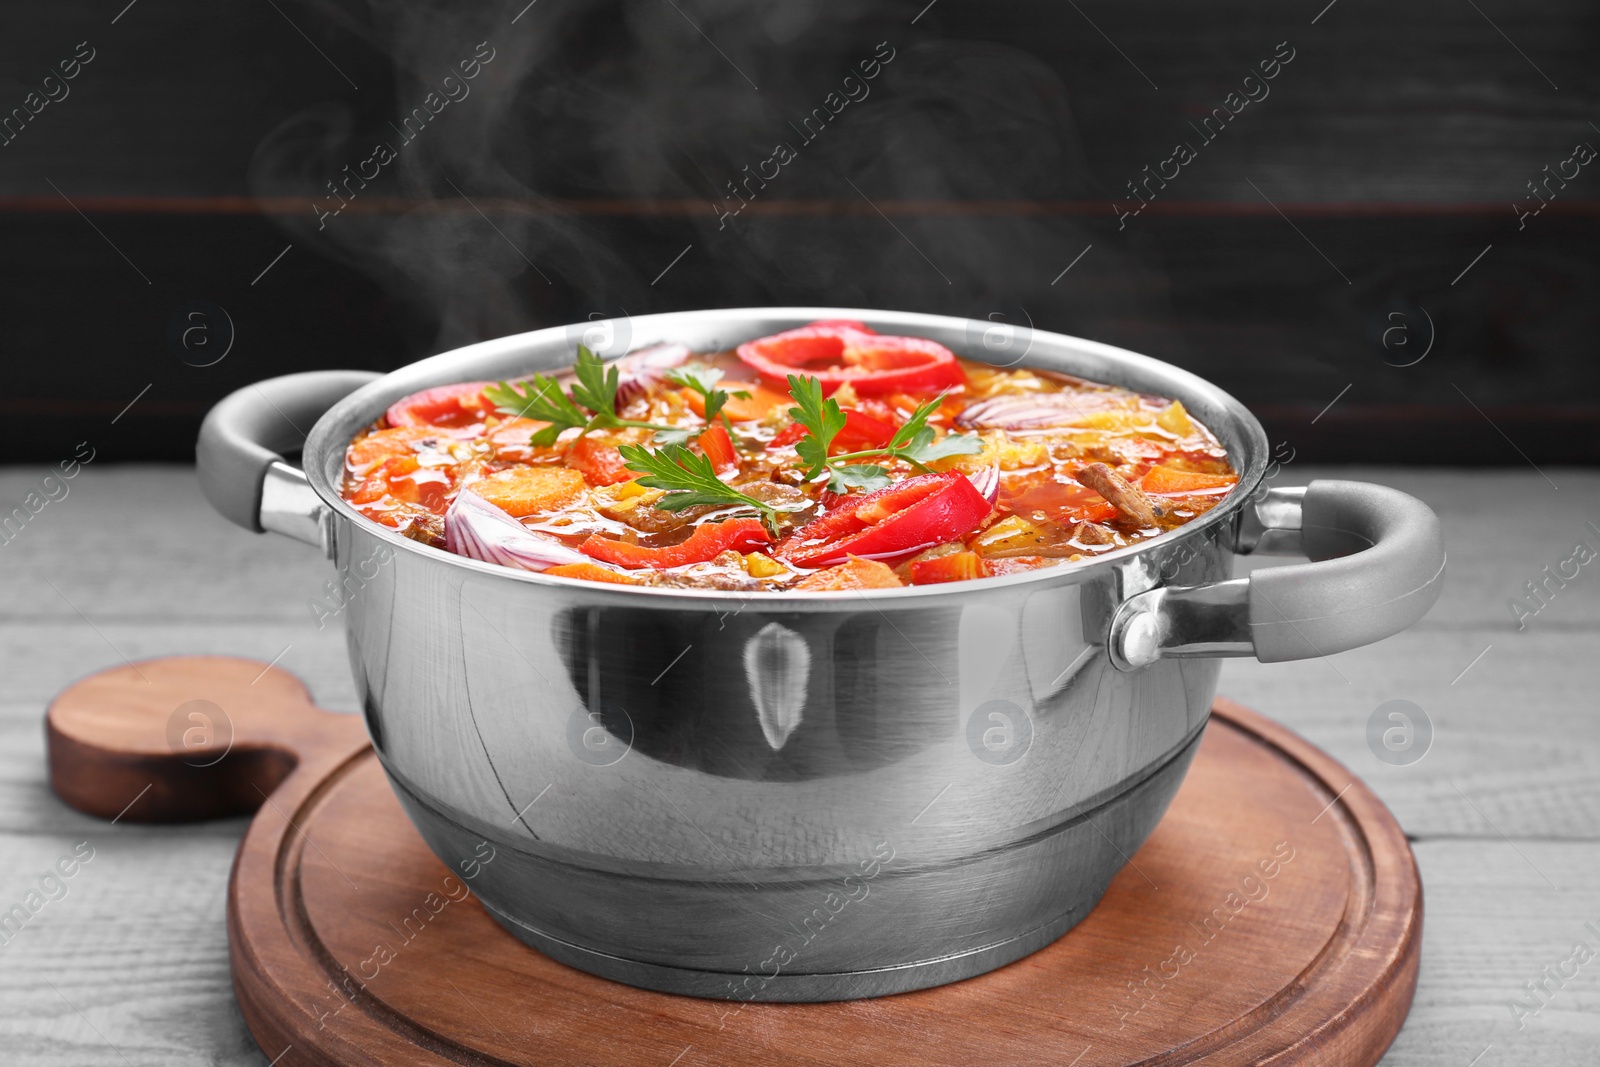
513, 354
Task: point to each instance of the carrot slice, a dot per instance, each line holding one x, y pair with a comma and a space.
1170, 480
511, 441
591, 572
380, 445
520, 491
376, 484
738, 408
956, 567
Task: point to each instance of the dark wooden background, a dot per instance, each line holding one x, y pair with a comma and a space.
1330, 222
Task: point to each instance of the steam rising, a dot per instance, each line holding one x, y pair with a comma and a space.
644, 102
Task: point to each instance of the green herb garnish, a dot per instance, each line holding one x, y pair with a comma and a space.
857, 476
703, 380
690, 481
541, 397
596, 388
915, 442
823, 419
675, 435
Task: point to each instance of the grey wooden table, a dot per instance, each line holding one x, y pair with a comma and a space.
130, 966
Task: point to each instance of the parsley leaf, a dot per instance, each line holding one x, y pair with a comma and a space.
703, 380
916, 423
822, 418
676, 435
857, 476
924, 449
596, 388
913, 442
540, 397
690, 481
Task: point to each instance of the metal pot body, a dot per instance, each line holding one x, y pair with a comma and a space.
796, 796
767, 801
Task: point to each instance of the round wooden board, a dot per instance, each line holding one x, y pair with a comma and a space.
1274, 916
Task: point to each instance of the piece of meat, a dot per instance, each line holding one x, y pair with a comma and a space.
853, 573
724, 571
795, 506
1121, 494
649, 519
427, 528
1092, 533
635, 506
793, 477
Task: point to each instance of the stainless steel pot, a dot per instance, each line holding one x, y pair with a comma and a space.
807, 796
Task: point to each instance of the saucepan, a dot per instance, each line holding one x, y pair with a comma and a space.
807, 795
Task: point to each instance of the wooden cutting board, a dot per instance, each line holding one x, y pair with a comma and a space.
1274, 916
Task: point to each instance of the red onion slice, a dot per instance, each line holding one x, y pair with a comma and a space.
1035, 411
479, 530
647, 367
987, 482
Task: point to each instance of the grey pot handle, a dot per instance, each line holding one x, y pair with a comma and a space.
1377, 567
238, 460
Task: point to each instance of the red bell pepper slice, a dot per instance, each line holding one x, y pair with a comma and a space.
450, 406
861, 432
841, 519
873, 363
788, 435
707, 541
892, 523
601, 464
842, 325
718, 447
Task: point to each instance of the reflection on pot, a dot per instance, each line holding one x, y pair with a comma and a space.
758, 697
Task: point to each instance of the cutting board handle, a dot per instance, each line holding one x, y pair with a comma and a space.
188, 738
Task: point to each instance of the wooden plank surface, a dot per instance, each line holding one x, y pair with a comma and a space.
130, 966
